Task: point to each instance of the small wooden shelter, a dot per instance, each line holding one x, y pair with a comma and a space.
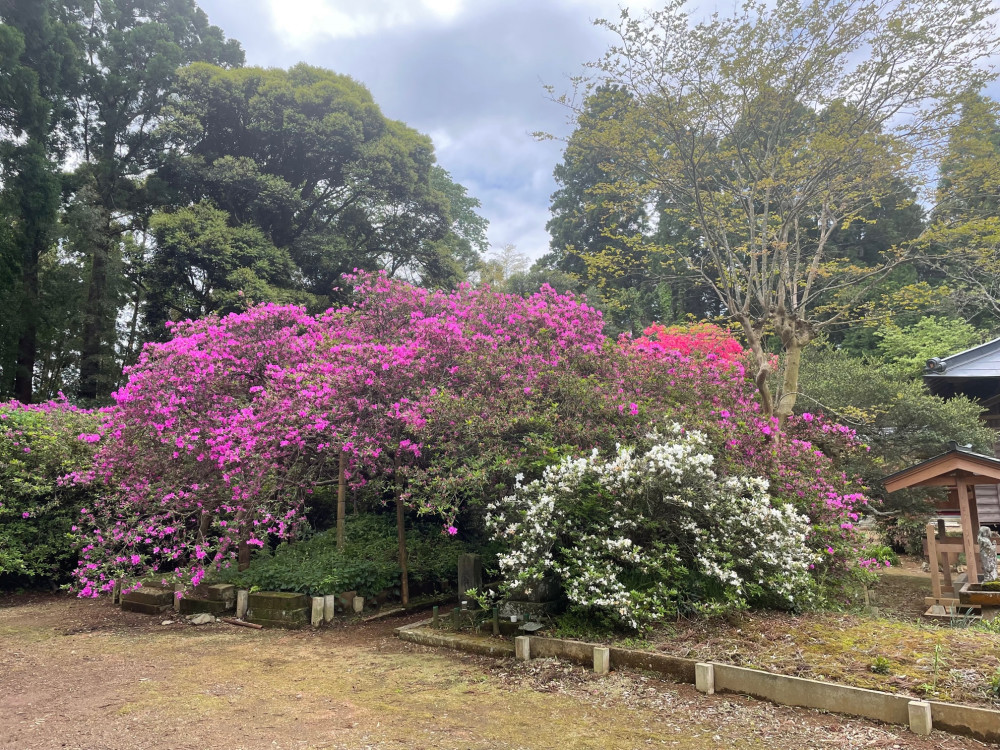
960, 471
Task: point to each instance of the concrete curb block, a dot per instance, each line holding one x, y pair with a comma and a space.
522, 648
602, 660
970, 721
920, 717
577, 652
704, 678
416, 633
982, 724
676, 668
826, 696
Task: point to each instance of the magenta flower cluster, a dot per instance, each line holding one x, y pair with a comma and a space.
222, 432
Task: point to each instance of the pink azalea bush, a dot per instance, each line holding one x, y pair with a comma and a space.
224, 431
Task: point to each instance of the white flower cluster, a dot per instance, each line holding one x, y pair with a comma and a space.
639, 533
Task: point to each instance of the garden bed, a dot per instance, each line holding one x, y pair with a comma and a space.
895, 651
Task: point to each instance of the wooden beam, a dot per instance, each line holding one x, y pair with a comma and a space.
951, 542
933, 560
978, 471
968, 535
930, 601
979, 468
939, 482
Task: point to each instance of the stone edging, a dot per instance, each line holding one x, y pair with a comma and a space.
709, 677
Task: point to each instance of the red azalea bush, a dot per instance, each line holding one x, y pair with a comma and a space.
222, 432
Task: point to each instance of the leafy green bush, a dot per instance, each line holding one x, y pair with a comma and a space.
904, 532
39, 445
881, 554
993, 685
907, 349
367, 565
900, 421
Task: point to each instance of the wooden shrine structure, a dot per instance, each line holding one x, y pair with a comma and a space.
960, 471
974, 373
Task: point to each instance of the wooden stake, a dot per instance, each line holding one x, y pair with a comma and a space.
404, 578
243, 549
341, 501
241, 623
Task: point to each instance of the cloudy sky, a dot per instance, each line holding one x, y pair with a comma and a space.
469, 73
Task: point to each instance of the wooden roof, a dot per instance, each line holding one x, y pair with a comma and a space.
947, 470
981, 361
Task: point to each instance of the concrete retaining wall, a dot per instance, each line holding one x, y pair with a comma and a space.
971, 721
577, 652
417, 633
675, 667
826, 696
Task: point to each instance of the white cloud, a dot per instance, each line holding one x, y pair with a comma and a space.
299, 22
469, 73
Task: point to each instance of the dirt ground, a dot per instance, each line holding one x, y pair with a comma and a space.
84, 675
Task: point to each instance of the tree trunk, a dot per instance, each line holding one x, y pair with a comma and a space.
95, 318
27, 343
242, 548
341, 501
243, 555
795, 336
789, 381
404, 577
762, 359
38, 190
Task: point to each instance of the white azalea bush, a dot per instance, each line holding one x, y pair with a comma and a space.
651, 531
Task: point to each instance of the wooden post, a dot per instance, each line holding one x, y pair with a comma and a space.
934, 559
341, 501
948, 586
404, 577
968, 534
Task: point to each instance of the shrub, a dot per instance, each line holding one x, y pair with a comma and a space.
653, 530
224, 433
879, 555
900, 421
38, 446
367, 565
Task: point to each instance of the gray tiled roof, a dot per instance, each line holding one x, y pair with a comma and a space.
979, 362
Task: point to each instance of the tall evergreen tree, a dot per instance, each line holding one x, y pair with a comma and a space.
134, 49
39, 64
963, 244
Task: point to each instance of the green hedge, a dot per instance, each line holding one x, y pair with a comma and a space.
367, 565
38, 446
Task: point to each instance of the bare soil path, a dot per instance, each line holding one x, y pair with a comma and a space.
84, 675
